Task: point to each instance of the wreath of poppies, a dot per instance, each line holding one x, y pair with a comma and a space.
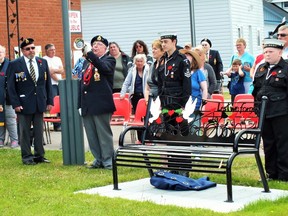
178, 119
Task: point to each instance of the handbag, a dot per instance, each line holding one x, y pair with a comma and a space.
168, 181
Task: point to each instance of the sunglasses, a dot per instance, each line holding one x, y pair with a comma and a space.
29, 48
282, 35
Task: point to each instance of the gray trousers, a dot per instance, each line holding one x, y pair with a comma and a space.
25, 122
100, 138
10, 124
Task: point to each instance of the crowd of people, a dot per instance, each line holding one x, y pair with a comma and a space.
173, 73
177, 74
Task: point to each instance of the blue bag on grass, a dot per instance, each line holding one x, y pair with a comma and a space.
168, 181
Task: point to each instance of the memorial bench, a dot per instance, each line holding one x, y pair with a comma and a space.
208, 144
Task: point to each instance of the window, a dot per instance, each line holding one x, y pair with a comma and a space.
258, 37
240, 32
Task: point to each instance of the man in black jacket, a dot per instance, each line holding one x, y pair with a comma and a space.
96, 101
271, 80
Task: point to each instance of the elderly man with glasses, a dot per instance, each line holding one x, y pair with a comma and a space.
30, 92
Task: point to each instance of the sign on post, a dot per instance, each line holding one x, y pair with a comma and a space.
75, 21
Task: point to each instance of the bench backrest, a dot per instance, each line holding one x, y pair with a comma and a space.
216, 122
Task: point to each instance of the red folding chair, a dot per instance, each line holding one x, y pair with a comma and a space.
138, 119
243, 115
52, 117
217, 97
122, 114
243, 96
211, 111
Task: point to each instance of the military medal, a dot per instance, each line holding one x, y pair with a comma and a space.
45, 75
215, 61
22, 76
96, 76
172, 75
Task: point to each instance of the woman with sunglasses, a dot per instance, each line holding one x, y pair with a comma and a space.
139, 47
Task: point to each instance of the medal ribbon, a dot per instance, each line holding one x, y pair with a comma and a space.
88, 75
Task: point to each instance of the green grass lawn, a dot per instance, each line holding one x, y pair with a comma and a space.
48, 189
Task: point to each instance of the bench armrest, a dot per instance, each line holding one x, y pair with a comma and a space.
255, 131
124, 132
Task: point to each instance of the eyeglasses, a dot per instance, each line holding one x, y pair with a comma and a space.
282, 35
29, 48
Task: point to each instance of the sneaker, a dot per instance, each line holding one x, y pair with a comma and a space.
1, 144
14, 144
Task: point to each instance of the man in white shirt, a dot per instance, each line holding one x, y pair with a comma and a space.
56, 72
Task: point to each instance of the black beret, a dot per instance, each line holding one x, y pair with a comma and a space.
101, 39
206, 40
168, 35
26, 42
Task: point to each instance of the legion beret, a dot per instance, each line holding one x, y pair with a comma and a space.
100, 39
26, 42
206, 40
168, 35
279, 44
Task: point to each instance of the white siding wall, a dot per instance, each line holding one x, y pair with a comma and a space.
126, 21
212, 20
248, 14
219, 21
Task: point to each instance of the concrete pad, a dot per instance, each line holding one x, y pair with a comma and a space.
212, 198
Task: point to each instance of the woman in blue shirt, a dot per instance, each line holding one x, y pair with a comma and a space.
199, 88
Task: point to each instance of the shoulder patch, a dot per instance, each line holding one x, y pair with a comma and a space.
187, 73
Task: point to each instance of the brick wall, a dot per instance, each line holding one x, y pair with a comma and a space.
41, 20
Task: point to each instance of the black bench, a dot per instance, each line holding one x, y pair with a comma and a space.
224, 132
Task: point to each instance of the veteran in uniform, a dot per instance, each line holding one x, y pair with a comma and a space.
271, 80
214, 59
30, 91
96, 101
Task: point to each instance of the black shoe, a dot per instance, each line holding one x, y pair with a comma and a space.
41, 160
29, 162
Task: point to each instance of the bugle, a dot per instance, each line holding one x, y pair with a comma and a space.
79, 43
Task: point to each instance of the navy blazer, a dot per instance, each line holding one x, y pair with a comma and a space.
95, 97
216, 62
24, 92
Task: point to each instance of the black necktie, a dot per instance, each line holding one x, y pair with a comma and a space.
32, 71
